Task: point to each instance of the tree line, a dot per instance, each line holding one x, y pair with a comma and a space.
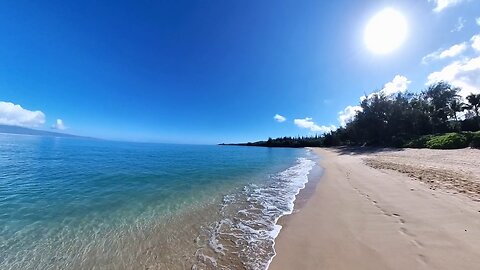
386, 120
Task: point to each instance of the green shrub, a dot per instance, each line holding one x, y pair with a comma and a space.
420, 142
475, 140
448, 141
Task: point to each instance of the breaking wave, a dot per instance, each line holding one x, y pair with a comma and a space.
245, 235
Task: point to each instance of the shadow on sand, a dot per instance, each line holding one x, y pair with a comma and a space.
360, 150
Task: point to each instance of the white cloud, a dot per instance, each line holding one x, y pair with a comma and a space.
477, 20
431, 56
460, 24
15, 115
464, 74
277, 117
348, 114
308, 123
453, 51
59, 125
443, 4
476, 42
399, 84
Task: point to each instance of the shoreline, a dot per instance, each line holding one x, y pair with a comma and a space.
359, 217
300, 200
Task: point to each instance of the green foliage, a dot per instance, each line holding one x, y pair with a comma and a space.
402, 120
420, 142
474, 103
470, 124
448, 141
475, 140
440, 96
406, 120
292, 142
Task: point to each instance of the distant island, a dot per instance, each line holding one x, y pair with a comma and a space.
435, 118
35, 132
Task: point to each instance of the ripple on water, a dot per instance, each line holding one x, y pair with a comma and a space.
73, 204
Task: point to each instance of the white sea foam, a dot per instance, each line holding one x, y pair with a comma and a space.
246, 234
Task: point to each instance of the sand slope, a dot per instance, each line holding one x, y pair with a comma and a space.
365, 218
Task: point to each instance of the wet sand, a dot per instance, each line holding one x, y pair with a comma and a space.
387, 209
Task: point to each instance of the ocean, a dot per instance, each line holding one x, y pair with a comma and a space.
69, 203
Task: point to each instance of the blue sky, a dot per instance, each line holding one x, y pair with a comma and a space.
217, 71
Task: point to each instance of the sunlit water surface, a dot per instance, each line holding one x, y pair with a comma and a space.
83, 204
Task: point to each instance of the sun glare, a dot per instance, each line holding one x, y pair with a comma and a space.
386, 31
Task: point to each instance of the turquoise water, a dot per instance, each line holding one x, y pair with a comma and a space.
77, 204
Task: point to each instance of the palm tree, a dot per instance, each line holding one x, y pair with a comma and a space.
474, 100
455, 106
438, 97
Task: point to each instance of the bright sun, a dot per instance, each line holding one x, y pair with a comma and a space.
386, 31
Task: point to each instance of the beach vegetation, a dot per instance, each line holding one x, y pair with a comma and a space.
420, 142
448, 141
437, 117
475, 140
474, 103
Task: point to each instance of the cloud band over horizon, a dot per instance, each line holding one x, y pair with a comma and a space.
16, 115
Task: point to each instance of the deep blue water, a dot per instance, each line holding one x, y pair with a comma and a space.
59, 193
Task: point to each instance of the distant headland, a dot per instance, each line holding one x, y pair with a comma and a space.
7, 129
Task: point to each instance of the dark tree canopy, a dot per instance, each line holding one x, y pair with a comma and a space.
393, 120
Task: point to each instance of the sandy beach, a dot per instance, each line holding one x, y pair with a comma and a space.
387, 209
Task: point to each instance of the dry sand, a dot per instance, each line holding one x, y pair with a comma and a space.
387, 209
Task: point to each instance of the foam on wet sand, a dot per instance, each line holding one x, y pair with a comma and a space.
364, 217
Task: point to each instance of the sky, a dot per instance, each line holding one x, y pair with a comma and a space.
206, 72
